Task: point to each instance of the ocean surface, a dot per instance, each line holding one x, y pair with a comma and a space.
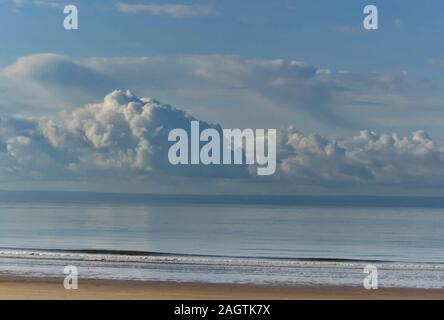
290, 245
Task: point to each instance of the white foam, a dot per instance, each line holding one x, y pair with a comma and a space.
207, 260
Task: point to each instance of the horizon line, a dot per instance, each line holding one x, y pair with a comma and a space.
60, 196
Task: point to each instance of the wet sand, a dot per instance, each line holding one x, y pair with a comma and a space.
38, 289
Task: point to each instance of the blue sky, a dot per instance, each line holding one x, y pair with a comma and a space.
362, 100
409, 35
323, 34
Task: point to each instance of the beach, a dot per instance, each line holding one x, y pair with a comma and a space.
52, 289
220, 251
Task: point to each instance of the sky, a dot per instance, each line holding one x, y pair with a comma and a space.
357, 111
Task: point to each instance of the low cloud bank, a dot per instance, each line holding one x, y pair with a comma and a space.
125, 137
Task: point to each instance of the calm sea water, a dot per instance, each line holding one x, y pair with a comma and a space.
225, 243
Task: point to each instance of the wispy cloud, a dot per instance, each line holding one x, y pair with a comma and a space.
346, 29
437, 62
40, 3
336, 98
171, 10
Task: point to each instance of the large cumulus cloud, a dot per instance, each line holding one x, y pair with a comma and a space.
123, 139
369, 158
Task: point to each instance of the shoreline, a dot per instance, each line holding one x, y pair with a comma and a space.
23, 288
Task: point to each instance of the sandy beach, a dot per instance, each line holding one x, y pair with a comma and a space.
39, 289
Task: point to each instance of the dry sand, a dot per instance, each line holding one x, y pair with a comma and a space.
25, 288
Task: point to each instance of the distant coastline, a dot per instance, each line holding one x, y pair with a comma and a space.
285, 200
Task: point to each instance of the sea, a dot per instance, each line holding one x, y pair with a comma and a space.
305, 245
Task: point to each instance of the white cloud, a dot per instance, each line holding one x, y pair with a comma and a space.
228, 89
121, 132
347, 29
48, 82
123, 141
437, 62
41, 3
121, 136
171, 10
369, 158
